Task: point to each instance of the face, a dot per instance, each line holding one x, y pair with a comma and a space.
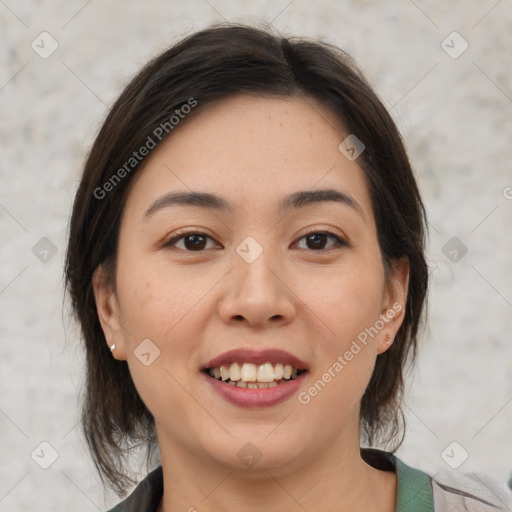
271, 266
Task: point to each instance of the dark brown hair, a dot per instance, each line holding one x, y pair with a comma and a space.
207, 66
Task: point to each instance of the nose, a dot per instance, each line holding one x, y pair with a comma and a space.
258, 294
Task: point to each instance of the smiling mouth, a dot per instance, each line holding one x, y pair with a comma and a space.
252, 376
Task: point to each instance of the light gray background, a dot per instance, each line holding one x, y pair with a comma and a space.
455, 115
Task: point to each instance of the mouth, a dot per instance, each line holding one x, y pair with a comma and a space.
238, 375
252, 376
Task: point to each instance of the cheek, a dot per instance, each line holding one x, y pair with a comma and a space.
347, 304
145, 310
155, 300
155, 307
347, 299
166, 306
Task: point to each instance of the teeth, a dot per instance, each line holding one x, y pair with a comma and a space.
248, 375
234, 372
255, 385
265, 373
224, 373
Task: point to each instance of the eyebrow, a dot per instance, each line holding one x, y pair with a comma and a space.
213, 202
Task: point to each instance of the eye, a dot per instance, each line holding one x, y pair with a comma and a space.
196, 241
193, 241
316, 240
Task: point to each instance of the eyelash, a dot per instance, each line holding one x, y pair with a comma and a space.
340, 242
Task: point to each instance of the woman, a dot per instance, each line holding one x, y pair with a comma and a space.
246, 260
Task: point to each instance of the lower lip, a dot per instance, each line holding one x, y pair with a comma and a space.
245, 397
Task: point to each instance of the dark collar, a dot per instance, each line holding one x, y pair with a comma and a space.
146, 496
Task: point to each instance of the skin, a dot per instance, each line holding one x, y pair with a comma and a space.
196, 304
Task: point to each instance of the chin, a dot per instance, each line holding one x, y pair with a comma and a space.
256, 450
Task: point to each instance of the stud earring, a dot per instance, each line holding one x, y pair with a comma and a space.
387, 339
112, 347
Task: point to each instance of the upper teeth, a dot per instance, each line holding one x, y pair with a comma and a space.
249, 372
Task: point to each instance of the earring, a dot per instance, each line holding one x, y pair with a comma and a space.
387, 339
112, 347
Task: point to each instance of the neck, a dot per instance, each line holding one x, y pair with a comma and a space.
337, 479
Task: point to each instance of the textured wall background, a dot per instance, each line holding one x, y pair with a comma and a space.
454, 107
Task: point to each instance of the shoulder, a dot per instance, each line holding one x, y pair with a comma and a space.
443, 492
469, 492
146, 496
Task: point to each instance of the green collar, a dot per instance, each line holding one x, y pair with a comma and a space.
414, 487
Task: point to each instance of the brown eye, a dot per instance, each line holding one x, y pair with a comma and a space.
317, 240
190, 242
194, 242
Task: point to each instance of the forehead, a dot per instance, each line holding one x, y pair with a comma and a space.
253, 151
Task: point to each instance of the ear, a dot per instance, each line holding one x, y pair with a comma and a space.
393, 304
107, 307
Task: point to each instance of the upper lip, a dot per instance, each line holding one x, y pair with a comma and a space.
242, 355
